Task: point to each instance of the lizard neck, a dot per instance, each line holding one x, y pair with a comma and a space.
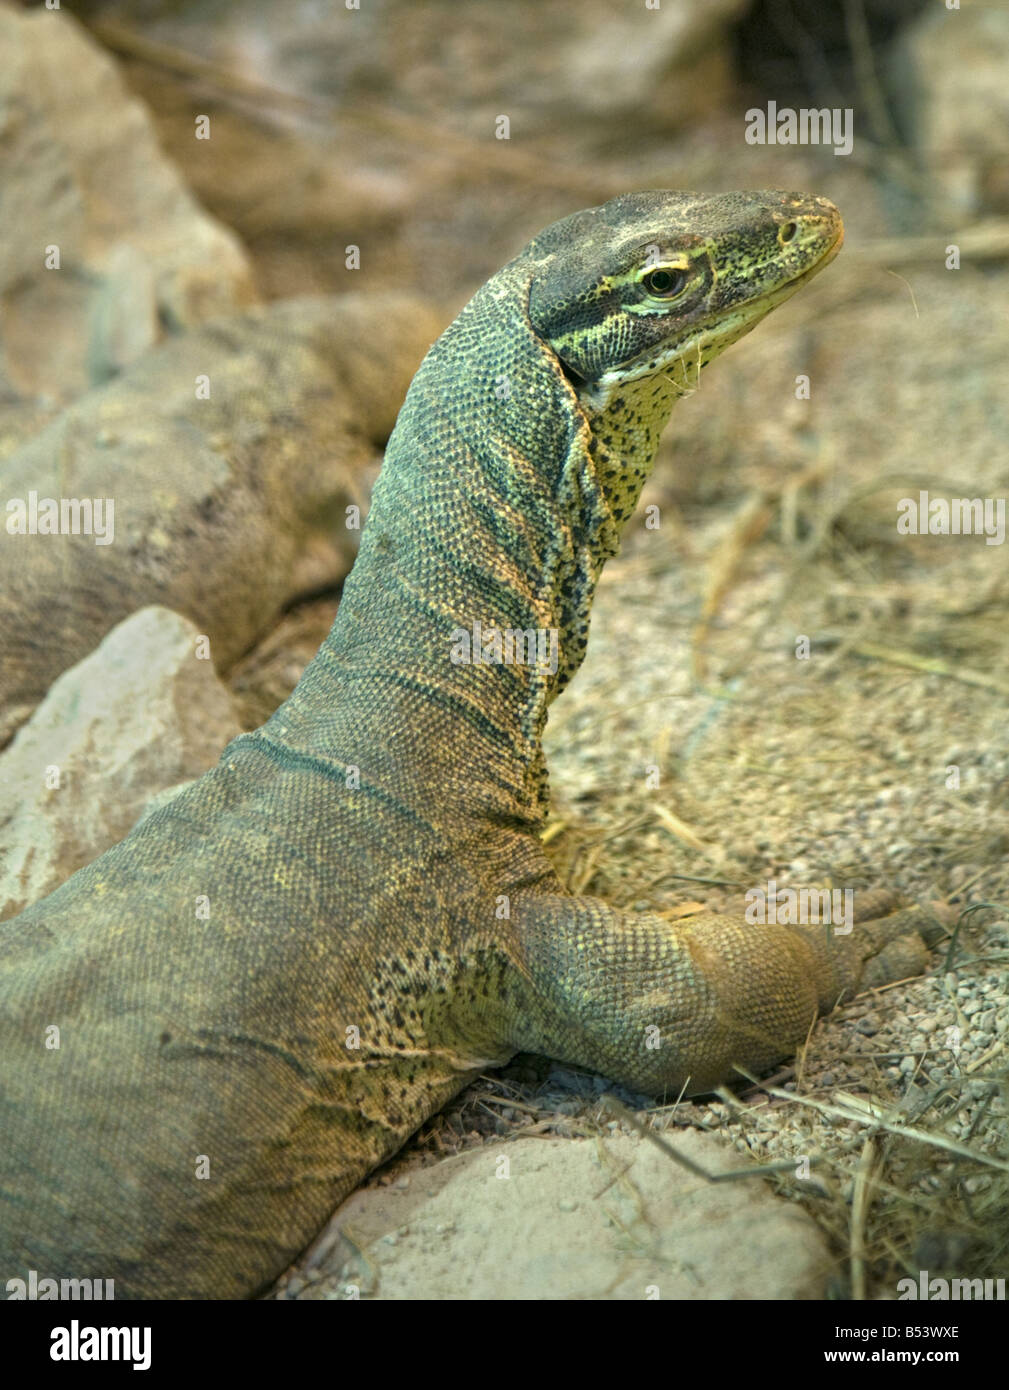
502, 495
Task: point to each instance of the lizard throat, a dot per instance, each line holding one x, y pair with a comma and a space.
599, 490
626, 420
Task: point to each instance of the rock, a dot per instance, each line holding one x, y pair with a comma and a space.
141, 713
81, 170
615, 1219
546, 66
262, 681
412, 96
227, 504
949, 79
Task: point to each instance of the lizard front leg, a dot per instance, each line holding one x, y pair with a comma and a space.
667, 1006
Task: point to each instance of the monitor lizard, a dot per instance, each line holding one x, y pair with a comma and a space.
212, 1033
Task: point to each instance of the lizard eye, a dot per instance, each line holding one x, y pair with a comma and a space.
665, 284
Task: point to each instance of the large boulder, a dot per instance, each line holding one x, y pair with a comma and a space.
102, 246
230, 455
142, 713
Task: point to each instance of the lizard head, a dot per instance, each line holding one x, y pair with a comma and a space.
635, 297
659, 283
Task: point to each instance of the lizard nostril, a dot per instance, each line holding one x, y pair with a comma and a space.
787, 231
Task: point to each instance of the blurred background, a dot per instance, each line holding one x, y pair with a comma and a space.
377, 125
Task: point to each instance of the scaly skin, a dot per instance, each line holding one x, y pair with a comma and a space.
383, 924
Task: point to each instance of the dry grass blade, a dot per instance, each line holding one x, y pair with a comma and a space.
868, 1112
931, 665
689, 836
866, 1177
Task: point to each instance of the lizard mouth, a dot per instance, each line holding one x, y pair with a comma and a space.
824, 259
